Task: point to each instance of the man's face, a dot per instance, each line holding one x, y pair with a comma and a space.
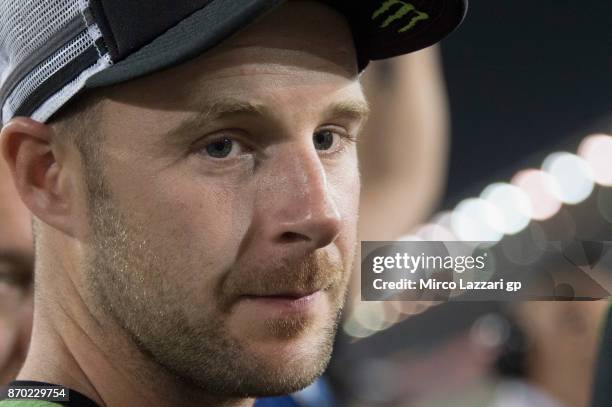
223, 208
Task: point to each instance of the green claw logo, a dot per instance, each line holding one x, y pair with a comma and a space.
399, 14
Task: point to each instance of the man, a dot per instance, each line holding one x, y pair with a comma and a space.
16, 262
194, 227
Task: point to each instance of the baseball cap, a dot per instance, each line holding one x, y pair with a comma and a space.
50, 50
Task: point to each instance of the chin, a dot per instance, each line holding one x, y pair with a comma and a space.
291, 372
295, 341
296, 359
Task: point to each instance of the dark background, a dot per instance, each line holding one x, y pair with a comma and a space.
524, 76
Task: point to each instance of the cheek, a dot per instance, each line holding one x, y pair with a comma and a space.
207, 223
350, 185
195, 224
346, 184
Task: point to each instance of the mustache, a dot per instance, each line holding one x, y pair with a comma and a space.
316, 271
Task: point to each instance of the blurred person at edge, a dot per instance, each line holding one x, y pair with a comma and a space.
402, 177
568, 343
403, 151
558, 355
601, 394
16, 265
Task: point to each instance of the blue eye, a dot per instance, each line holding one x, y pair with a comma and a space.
220, 148
323, 140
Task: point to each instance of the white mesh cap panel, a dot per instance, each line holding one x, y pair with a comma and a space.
27, 25
44, 71
38, 38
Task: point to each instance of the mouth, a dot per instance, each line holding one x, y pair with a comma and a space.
286, 294
294, 301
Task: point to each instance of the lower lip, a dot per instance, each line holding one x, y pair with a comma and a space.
286, 304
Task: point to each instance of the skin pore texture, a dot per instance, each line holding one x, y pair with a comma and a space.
198, 253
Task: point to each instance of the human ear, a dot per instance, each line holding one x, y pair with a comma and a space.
28, 148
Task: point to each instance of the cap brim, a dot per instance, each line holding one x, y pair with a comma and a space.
218, 20
191, 37
384, 29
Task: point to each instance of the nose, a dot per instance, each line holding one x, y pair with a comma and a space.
299, 207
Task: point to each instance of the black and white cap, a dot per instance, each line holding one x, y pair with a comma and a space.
52, 49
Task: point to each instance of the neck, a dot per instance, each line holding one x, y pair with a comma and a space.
76, 347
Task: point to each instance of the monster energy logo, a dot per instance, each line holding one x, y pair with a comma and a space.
399, 14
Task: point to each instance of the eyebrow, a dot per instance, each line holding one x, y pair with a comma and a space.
210, 112
354, 109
